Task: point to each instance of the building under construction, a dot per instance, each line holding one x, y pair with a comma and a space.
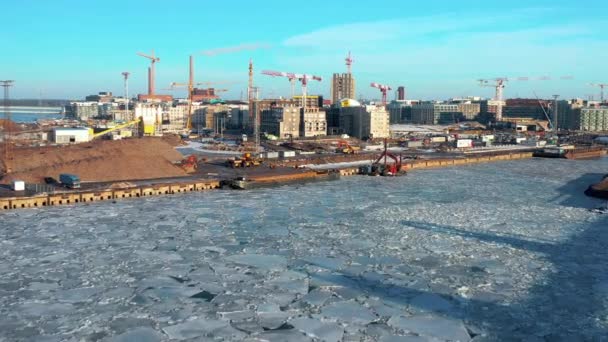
342, 87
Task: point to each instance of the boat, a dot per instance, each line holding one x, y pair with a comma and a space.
243, 183
571, 152
599, 190
586, 153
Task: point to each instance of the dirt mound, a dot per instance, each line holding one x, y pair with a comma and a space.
99, 161
9, 125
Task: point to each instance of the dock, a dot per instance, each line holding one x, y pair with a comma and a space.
177, 185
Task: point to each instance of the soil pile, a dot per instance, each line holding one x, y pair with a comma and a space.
9, 125
99, 161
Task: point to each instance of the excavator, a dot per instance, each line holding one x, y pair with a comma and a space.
189, 164
383, 168
345, 148
247, 160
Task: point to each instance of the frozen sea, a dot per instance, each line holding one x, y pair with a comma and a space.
491, 252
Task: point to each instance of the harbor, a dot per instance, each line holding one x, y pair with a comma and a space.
224, 178
433, 252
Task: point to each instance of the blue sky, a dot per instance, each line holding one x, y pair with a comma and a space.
437, 49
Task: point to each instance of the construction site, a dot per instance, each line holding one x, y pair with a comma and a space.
112, 142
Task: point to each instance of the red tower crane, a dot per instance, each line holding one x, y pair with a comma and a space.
151, 70
349, 63
303, 78
383, 88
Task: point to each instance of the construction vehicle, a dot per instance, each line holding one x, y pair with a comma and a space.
189, 164
70, 181
384, 168
246, 160
344, 147
117, 127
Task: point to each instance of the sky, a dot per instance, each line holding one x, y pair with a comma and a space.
436, 49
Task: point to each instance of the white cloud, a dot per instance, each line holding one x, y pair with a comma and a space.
428, 52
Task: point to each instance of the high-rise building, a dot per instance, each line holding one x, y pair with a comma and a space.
342, 87
401, 93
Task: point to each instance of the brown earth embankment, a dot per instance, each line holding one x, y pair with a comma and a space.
99, 161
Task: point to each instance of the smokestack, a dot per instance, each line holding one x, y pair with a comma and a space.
150, 80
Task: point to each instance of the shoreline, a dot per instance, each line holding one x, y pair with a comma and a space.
191, 185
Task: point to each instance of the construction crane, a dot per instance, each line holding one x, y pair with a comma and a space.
383, 88
7, 133
151, 70
499, 86
125, 75
601, 86
303, 78
290, 77
349, 63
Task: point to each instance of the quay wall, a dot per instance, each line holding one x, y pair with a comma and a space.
88, 196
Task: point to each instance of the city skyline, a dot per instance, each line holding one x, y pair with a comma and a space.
68, 49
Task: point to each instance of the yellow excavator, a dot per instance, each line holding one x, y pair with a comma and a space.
247, 160
117, 127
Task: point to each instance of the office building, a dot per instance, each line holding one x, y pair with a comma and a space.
281, 121
313, 123
526, 108
590, 119
82, 110
378, 122
436, 113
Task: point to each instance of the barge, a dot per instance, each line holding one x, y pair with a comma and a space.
243, 183
571, 152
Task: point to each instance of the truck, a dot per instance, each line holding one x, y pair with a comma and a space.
70, 181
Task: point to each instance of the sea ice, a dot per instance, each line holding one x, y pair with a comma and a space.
432, 327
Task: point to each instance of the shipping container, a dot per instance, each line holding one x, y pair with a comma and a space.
463, 143
416, 143
486, 138
18, 185
287, 154
438, 139
272, 155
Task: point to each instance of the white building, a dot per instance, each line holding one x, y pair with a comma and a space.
313, 123
379, 121
152, 117
66, 135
